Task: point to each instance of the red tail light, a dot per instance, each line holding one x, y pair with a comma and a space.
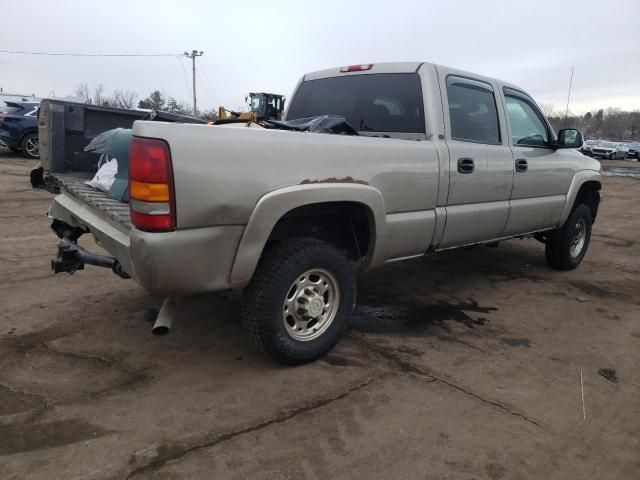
357, 68
151, 192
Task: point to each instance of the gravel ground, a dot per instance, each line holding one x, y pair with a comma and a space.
463, 365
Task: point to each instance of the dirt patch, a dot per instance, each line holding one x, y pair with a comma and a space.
26, 438
56, 374
612, 241
337, 360
516, 342
12, 402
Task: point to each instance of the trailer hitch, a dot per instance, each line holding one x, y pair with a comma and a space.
71, 257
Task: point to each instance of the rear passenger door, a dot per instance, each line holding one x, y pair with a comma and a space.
542, 174
480, 161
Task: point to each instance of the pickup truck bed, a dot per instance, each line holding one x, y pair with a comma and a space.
74, 184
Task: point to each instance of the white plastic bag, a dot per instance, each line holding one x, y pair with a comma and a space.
105, 176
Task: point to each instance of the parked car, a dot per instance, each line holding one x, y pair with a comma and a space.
19, 127
442, 159
610, 150
634, 150
588, 145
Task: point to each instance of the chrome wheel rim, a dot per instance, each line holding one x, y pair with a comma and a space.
311, 304
579, 238
32, 146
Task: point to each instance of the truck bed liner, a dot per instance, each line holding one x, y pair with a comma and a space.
73, 182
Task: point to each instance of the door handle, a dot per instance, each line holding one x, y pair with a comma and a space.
466, 165
521, 165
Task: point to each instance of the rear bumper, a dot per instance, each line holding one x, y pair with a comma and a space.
185, 262
182, 262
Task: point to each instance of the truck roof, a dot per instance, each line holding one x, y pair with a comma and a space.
395, 67
388, 67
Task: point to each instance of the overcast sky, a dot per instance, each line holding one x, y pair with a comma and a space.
268, 45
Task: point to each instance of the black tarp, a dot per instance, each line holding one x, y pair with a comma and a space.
319, 124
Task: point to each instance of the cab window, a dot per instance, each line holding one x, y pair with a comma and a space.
381, 102
528, 127
472, 111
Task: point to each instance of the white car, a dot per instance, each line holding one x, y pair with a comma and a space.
610, 150
588, 145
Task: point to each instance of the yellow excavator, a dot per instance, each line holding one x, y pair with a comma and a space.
262, 106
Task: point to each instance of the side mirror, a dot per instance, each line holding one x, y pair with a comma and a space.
569, 138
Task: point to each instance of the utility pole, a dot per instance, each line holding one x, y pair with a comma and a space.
192, 56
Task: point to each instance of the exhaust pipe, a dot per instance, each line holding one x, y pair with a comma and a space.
167, 312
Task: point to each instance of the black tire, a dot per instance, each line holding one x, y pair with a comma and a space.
263, 299
28, 150
558, 248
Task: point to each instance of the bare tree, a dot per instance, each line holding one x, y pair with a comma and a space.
124, 98
99, 98
547, 109
82, 91
609, 123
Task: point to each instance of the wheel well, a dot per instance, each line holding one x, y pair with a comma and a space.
348, 225
589, 194
25, 133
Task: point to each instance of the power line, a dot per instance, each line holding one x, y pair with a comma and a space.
203, 76
186, 80
67, 54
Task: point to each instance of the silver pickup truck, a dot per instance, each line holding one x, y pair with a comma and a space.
442, 159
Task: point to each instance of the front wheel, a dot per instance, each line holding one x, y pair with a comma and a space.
299, 300
566, 247
30, 146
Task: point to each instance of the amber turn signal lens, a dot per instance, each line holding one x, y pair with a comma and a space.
150, 192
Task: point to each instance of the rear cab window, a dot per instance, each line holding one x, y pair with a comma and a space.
385, 103
472, 111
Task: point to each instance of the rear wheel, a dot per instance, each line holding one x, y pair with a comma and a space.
297, 304
30, 146
566, 247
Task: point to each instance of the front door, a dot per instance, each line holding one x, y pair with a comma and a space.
480, 161
542, 174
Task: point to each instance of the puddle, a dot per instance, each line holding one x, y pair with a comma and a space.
632, 172
406, 318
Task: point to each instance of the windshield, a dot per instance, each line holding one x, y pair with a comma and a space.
4, 108
592, 142
256, 104
382, 102
609, 145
